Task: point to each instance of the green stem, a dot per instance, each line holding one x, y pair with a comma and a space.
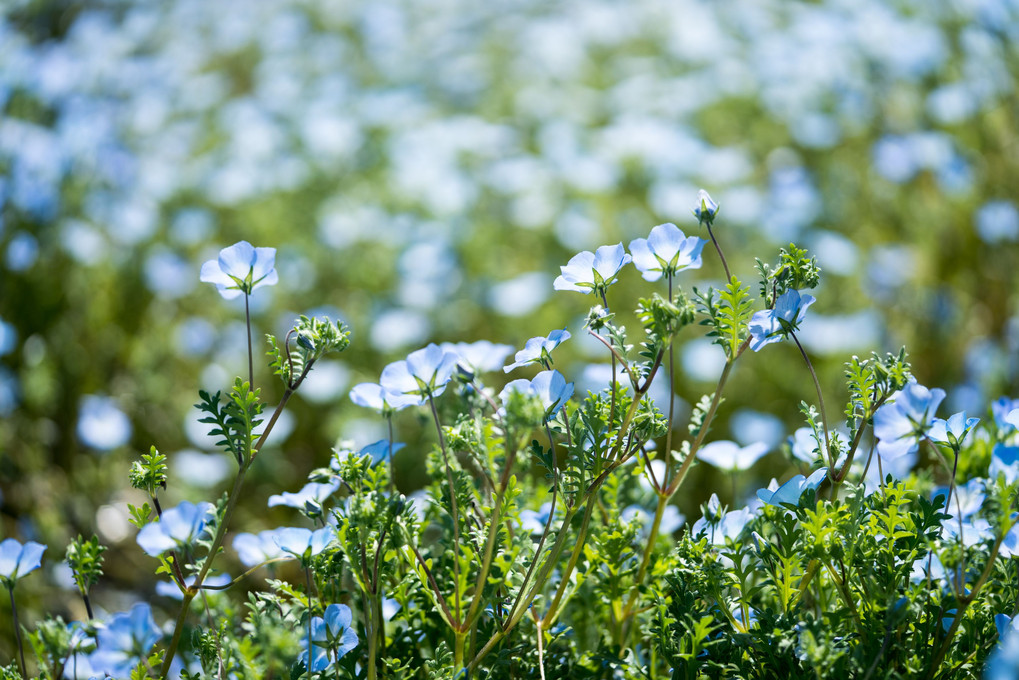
454, 511
251, 354
17, 632
820, 399
725, 265
553, 611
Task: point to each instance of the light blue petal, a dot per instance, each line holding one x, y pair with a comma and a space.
237, 259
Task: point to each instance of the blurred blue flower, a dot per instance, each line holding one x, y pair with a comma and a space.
482, 356
124, 641
1003, 663
549, 386
952, 431
255, 549
381, 450
997, 221
967, 499
178, 527
972, 532
424, 373
534, 521
718, 527
313, 492
101, 423
241, 268
303, 543
672, 519
666, 251
331, 637
374, 396
587, 271
538, 350
706, 209
17, 560
791, 491
730, 456
772, 325
1004, 461
1001, 409
899, 424
172, 590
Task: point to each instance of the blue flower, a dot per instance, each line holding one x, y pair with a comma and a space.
672, 519
482, 356
172, 590
241, 268
331, 637
790, 492
313, 492
1001, 410
538, 350
967, 499
178, 527
706, 209
953, 430
666, 251
303, 543
381, 450
587, 271
255, 549
1003, 663
719, 528
125, 640
730, 456
374, 396
17, 560
549, 386
899, 424
424, 373
772, 325
1004, 461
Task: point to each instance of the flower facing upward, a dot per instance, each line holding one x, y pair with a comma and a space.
241, 268
667, 250
899, 424
423, 373
730, 456
17, 560
587, 271
548, 386
706, 209
772, 325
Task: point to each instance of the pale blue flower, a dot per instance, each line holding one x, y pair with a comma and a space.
178, 527
374, 396
17, 560
672, 519
791, 491
549, 386
952, 431
666, 251
967, 499
331, 637
587, 271
124, 640
719, 527
172, 590
241, 268
972, 532
730, 456
482, 356
314, 493
803, 445
1001, 410
1004, 461
538, 350
303, 543
772, 325
255, 549
381, 450
1003, 663
899, 424
534, 521
424, 373
706, 209
102, 425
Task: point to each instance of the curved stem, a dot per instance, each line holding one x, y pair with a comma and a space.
725, 265
820, 399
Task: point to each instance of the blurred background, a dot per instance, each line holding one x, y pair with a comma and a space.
424, 167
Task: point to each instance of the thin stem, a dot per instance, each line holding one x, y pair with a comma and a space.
725, 265
17, 632
251, 355
564, 580
820, 399
392, 457
88, 606
453, 508
307, 576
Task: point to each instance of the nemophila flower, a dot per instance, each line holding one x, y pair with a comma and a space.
374, 396
241, 268
666, 251
424, 373
303, 543
549, 386
312, 492
124, 641
772, 325
171, 590
718, 527
255, 549
791, 491
899, 424
952, 431
534, 521
587, 271
331, 637
482, 356
967, 499
1004, 461
538, 350
706, 209
17, 560
1002, 409
730, 456
101, 423
1010, 544
672, 519
1003, 663
972, 532
178, 527
381, 450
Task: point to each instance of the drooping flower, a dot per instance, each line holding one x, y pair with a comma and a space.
241, 268
706, 209
537, 350
772, 325
587, 271
667, 250
178, 527
791, 491
17, 560
718, 527
331, 638
549, 386
730, 456
124, 641
374, 396
424, 373
900, 424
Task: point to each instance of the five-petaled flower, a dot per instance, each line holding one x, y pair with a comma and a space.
17, 560
331, 638
730, 456
706, 209
772, 325
423, 373
587, 271
125, 641
538, 350
178, 527
667, 250
548, 386
899, 424
241, 268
